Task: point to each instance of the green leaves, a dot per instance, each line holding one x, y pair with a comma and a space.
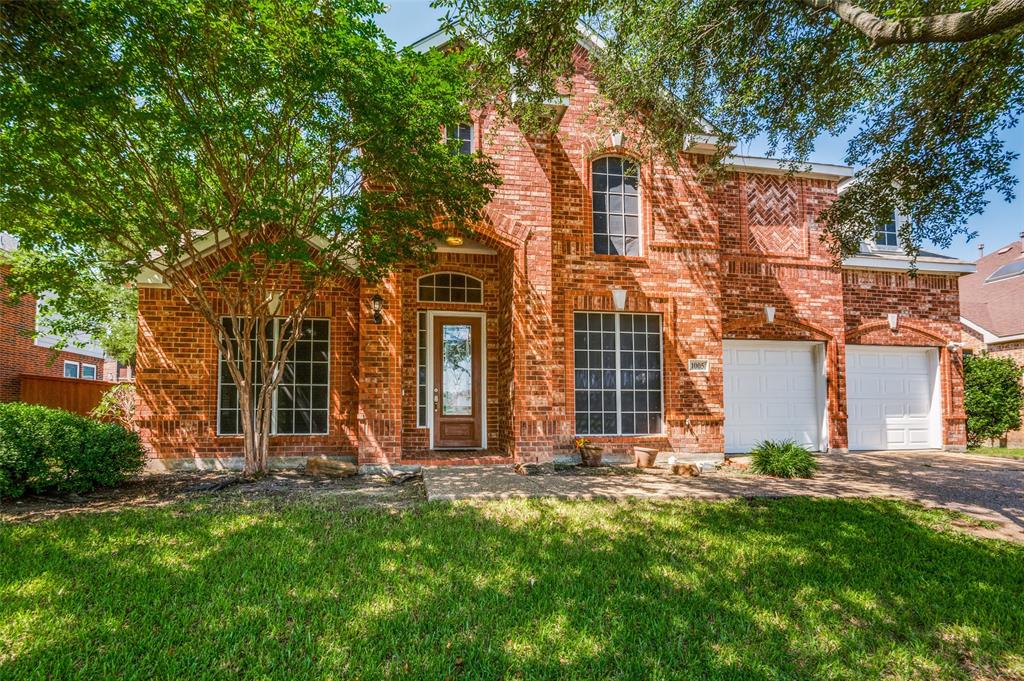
992, 397
930, 118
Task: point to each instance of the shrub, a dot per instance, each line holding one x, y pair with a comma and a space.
51, 450
782, 459
117, 405
992, 397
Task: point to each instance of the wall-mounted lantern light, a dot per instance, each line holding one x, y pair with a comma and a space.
453, 240
769, 314
617, 138
894, 321
377, 305
619, 298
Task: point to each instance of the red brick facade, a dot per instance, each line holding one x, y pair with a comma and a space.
714, 255
18, 352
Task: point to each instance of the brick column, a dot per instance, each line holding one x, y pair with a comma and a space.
380, 379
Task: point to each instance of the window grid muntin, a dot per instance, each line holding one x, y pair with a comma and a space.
607, 349
450, 287
887, 235
301, 403
640, 374
615, 206
463, 132
421, 370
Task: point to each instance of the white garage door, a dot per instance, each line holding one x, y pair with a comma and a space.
773, 391
891, 397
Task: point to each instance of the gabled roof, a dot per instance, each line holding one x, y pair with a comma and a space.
705, 142
995, 304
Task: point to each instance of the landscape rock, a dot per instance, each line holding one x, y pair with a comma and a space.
334, 468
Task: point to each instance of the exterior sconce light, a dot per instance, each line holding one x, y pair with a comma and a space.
894, 320
453, 240
616, 138
377, 305
273, 302
619, 298
769, 314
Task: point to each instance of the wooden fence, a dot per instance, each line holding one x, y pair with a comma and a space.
73, 394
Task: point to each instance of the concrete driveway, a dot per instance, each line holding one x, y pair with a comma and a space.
988, 488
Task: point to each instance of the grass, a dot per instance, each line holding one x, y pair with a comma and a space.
1009, 452
783, 589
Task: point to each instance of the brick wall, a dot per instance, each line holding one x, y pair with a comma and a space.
714, 255
18, 352
176, 377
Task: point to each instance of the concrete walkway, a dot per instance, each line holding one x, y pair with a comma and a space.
988, 488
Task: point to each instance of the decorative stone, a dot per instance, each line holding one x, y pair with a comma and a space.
334, 468
688, 469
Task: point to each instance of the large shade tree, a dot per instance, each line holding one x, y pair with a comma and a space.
929, 87
137, 135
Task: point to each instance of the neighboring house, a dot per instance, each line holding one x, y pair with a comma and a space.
608, 296
992, 308
25, 351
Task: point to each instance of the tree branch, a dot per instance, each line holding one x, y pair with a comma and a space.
956, 27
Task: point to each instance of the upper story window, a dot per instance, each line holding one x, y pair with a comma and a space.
463, 132
615, 183
450, 287
887, 235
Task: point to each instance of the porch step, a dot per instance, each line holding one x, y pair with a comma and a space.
459, 461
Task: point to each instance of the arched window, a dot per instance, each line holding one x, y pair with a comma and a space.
615, 186
450, 287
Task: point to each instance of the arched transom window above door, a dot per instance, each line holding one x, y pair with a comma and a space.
615, 192
450, 287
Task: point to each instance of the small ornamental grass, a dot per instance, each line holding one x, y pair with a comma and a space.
782, 459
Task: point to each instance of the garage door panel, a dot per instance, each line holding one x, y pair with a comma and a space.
770, 393
889, 398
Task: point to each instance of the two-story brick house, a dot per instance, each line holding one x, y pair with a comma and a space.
608, 295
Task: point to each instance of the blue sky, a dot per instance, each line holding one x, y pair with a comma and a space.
410, 20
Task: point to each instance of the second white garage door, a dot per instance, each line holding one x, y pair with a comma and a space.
774, 390
892, 400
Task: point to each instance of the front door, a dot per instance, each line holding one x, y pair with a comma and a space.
458, 404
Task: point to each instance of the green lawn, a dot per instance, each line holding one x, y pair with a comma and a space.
1013, 453
786, 589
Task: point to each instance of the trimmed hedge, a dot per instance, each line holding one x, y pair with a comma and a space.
55, 451
782, 459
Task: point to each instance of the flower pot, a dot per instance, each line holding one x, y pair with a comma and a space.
645, 457
590, 456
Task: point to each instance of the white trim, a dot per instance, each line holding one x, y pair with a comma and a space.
771, 166
95, 376
483, 374
78, 369
987, 336
205, 245
903, 265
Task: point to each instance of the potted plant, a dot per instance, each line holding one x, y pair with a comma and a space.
590, 454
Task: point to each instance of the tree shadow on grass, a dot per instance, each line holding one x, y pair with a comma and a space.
796, 588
